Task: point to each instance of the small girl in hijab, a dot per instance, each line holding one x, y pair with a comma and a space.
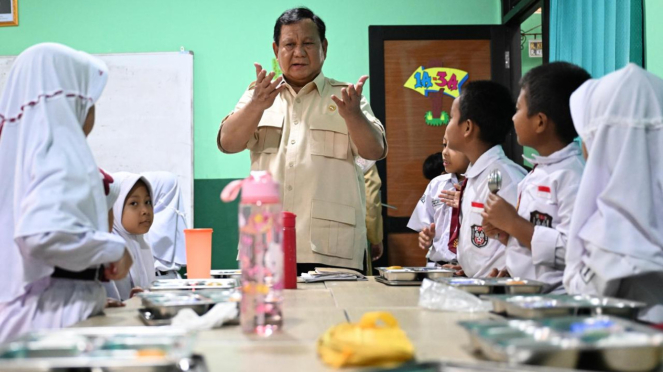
166, 236
133, 215
54, 244
615, 245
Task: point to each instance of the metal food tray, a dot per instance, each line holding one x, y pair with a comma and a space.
549, 305
150, 318
602, 342
494, 285
226, 274
473, 366
108, 348
156, 313
397, 283
168, 304
414, 273
192, 284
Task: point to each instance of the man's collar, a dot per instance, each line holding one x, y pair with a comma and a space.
487, 158
319, 83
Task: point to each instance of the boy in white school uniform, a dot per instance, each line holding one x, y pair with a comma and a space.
615, 245
480, 121
537, 228
436, 221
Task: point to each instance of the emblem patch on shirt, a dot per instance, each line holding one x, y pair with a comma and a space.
586, 274
436, 203
479, 238
423, 199
540, 219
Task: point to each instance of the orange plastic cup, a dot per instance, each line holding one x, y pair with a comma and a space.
198, 253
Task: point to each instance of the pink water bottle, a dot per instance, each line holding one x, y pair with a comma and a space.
260, 251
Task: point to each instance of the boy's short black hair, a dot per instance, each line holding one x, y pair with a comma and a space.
548, 89
433, 165
295, 15
490, 106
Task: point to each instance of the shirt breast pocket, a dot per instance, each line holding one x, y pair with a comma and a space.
329, 136
333, 229
543, 210
268, 135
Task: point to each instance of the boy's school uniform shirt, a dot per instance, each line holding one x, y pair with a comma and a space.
546, 199
431, 209
478, 253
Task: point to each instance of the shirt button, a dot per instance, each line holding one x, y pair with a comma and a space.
298, 100
289, 188
292, 142
291, 164
296, 122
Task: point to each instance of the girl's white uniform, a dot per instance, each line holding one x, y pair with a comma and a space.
142, 271
431, 209
166, 236
615, 243
546, 198
52, 207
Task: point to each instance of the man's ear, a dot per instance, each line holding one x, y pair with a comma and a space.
276, 50
542, 123
325, 44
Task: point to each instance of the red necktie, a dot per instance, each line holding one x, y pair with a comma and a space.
454, 228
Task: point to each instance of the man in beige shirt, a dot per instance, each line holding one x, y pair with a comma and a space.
306, 129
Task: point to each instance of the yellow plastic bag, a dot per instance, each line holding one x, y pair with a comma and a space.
366, 343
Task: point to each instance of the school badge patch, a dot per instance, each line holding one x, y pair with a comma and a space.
540, 219
479, 238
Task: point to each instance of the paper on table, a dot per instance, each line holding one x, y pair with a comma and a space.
219, 314
322, 274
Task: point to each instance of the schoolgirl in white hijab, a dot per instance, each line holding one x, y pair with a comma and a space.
53, 220
615, 243
133, 229
166, 236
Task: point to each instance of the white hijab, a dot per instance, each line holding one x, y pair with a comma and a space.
619, 206
142, 271
50, 182
166, 235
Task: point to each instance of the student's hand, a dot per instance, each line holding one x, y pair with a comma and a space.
111, 302
265, 90
495, 273
498, 212
495, 233
119, 269
376, 251
426, 237
458, 268
349, 105
451, 197
135, 290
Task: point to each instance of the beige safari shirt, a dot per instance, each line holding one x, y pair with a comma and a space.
304, 143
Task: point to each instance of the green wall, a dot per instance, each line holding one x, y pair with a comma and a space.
654, 36
226, 38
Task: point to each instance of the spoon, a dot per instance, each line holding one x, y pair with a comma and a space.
495, 181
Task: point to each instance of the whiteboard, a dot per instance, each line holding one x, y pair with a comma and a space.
144, 118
